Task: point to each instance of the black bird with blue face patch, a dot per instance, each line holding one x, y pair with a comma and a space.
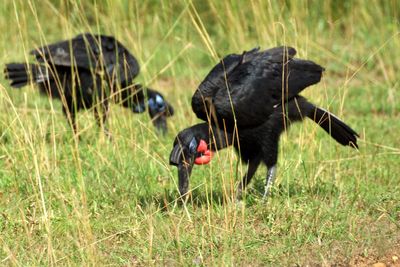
87, 72
247, 101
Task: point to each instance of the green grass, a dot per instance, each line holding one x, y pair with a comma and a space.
114, 203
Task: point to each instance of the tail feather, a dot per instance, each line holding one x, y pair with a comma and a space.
21, 74
19, 82
341, 132
336, 128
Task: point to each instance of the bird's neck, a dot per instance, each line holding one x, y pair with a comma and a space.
219, 138
132, 95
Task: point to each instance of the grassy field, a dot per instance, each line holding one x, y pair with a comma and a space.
114, 203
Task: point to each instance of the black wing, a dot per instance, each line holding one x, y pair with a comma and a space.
251, 85
93, 52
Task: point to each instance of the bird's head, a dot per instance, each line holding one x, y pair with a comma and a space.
193, 146
159, 110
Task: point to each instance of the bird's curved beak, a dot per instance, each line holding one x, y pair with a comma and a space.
184, 161
159, 115
160, 122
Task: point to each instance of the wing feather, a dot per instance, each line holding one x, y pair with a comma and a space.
92, 52
245, 89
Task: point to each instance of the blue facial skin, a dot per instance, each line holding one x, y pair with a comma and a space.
156, 105
158, 112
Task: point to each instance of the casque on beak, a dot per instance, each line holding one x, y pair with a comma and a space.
183, 158
175, 156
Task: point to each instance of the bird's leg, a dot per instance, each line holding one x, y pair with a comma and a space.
101, 114
74, 125
271, 174
184, 171
71, 118
252, 168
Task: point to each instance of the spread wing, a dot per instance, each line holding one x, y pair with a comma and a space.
246, 88
92, 52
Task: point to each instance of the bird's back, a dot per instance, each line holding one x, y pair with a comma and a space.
247, 88
97, 53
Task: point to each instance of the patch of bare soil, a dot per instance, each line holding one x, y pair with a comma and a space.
390, 258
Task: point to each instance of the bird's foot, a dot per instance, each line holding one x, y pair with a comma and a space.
271, 174
239, 203
266, 194
239, 194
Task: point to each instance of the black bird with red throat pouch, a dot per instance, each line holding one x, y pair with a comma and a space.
248, 101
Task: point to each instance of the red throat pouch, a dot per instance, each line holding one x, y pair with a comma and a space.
206, 154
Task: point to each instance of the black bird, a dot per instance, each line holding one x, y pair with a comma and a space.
247, 101
87, 72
